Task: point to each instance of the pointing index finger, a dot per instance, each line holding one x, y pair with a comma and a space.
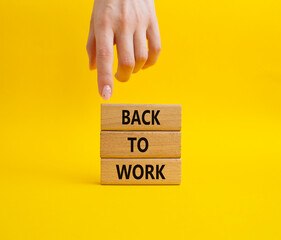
104, 61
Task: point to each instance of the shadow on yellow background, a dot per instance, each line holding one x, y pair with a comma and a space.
221, 60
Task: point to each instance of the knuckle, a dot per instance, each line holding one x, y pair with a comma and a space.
141, 57
139, 18
125, 20
103, 52
127, 62
157, 49
102, 22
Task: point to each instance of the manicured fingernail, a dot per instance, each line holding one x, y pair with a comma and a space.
106, 92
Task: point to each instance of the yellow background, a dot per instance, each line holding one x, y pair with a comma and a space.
220, 59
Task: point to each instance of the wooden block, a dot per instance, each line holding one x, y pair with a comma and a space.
140, 117
140, 171
140, 144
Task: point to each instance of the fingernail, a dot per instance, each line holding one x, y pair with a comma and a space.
106, 92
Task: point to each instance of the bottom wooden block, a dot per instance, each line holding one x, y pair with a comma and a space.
140, 171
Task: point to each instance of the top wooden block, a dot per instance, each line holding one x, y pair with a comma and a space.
128, 117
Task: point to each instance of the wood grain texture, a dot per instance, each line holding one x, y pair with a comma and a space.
161, 144
169, 117
147, 171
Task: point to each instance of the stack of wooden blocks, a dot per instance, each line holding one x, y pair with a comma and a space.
140, 144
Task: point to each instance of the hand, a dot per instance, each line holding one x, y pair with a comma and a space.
126, 23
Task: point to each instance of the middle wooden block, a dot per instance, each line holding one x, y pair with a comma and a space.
140, 144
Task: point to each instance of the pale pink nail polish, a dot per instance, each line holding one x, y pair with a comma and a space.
106, 92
